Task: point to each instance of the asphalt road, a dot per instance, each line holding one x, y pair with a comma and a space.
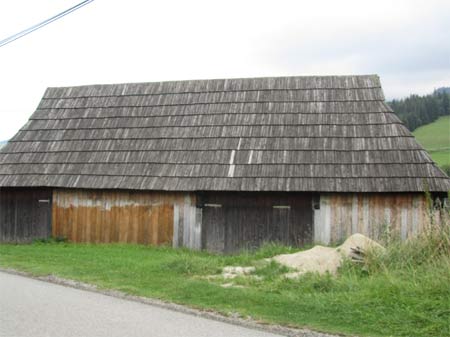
30, 307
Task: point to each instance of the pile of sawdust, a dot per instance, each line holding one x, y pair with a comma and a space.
358, 241
324, 259
231, 272
318, 259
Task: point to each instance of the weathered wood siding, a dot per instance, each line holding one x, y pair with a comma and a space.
25, 214
233, 221
123, 216
341, 215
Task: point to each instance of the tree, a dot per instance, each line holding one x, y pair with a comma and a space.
417, 110
446, 104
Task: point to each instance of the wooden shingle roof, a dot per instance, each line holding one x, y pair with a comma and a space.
328, 134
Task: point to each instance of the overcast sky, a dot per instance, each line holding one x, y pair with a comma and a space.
406, 42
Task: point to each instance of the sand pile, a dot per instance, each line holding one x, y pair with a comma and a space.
322, 259
358, 241
233, 272
318, 259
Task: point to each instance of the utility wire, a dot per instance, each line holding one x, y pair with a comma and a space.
43, 23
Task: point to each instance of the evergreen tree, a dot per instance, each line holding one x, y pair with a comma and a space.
417, 110
446, 104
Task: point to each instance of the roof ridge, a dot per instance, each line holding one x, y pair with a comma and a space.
223, 79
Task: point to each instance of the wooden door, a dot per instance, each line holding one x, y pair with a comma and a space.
25, 214
43, 221
233, 221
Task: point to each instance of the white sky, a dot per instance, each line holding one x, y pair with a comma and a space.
110, 41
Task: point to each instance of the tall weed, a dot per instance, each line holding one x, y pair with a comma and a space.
430, 247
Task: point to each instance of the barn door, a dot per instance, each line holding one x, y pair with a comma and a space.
249, 226
300, 219
233, 221
43, 220
25, 214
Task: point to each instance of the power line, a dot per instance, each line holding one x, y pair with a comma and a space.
43, 23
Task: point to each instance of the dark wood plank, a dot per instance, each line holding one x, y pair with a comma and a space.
247, 220
22, 217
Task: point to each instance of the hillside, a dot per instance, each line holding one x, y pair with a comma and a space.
416, 111
435, 138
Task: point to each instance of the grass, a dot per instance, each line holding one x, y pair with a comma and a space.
435, 138
442, 158
404, 292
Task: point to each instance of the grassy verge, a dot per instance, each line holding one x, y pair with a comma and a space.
404, 292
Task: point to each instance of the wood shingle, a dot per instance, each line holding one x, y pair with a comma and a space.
318, 133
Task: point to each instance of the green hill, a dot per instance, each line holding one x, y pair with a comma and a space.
416, 111
435, 138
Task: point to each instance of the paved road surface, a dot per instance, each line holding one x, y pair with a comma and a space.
35, 308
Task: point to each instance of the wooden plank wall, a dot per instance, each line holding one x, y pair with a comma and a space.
25, 214
122, 216
341, 215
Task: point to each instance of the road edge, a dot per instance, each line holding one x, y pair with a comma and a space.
208, 314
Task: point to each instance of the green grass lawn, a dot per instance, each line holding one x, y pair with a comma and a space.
435, 138
394, 300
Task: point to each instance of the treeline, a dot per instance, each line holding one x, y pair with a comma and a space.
416, 110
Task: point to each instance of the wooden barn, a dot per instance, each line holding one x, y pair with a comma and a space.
215, 164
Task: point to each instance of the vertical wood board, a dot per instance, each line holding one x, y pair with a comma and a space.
371, 214
116, 216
